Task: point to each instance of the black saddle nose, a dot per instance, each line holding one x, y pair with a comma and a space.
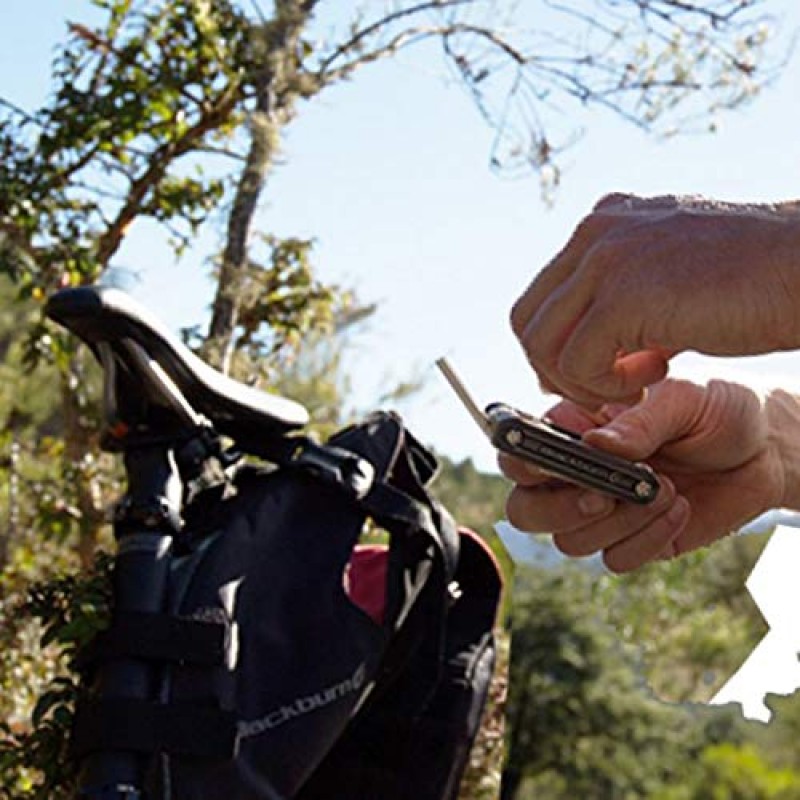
103, 315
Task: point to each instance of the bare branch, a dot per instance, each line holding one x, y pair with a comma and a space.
374, 28
581, 16
402, 40
222, 151
15, 109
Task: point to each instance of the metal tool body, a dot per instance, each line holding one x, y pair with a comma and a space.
556, 451
562, 454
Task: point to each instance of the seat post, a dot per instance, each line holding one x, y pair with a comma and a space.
145, 526
153, 427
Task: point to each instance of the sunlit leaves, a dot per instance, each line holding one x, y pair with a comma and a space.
159, 82
280, 301
36, 763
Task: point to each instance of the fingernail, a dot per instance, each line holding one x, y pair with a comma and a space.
678, 511
591, 504
609, 434
532, 469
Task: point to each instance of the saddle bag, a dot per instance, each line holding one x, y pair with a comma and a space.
292, 659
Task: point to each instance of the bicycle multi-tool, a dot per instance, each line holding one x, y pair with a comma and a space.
555, 450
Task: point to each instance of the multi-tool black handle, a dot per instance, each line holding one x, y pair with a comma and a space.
563, 454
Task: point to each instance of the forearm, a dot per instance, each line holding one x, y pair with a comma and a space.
782, 410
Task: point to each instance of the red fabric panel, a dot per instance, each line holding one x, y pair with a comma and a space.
365, 580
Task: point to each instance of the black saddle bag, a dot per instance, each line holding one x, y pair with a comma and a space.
275, 675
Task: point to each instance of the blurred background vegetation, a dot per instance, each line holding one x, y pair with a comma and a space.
602, 683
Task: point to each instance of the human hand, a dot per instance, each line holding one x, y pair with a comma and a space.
718, 456
643, 279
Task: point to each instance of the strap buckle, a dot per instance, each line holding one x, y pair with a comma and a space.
335, 465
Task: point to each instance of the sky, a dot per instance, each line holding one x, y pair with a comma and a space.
390, 175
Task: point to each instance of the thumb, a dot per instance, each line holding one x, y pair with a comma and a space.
664, 415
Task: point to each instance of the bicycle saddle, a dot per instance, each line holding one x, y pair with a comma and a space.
103, 316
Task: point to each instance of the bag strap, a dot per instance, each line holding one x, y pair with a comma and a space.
158, 637
141, 726
391, 507
380, 465
333, 465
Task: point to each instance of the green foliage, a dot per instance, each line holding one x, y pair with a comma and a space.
35, 762
479, 497
142, 118
279, 303
315, 372
160, 81
735, 772
578, 713
25, 402
583, 723
692, 619
779, 738
38, 504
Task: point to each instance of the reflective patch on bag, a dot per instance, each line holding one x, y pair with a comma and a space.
303, 705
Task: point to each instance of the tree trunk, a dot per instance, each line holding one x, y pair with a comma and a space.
276, 85
264, 135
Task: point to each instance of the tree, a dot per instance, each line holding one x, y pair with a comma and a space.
169, 110
735, 772
692, 619
163, 82
584, 723
581, 723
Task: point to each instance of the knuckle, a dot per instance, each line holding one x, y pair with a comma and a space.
537, 353
674, 388
658, 509
589, 388
641, 425
613, 199
518, 317
600, 260
585, 228
588, 233
570, 369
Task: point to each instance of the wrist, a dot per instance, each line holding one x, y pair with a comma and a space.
783, 423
